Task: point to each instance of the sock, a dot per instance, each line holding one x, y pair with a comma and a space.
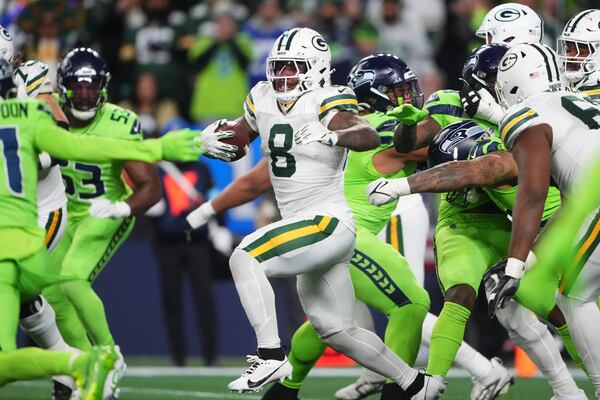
271, 354
40, 325
31, 363
90, 310
446, 337
565, 335
403, 331
67, 321
307, 347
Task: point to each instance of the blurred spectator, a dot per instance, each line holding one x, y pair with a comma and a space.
153, 110
152, 44
263, 28
366, 41
185, 187
220, 61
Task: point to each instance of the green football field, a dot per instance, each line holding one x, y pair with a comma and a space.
203, 383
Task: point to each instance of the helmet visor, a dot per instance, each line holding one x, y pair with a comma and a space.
574, 54
84, 92
407, 92
286, 75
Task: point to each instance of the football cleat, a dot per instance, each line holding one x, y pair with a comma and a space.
260, 373
111, 386
91, 377
364, 386
579, 395
279, 392
425, 387
495, 384
61, 391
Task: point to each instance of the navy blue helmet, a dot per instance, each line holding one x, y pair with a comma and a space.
454, 142
481, 67
82, 80
380, 80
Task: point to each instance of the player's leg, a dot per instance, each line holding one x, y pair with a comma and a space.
9, 301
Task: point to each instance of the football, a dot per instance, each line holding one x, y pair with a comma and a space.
241, 139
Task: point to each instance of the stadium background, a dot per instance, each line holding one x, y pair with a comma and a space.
186, 63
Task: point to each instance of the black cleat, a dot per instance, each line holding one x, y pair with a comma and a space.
279, 392
60, 391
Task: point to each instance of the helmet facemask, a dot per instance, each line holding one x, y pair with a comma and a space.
578, 58
407, 92
288, 77
84, 95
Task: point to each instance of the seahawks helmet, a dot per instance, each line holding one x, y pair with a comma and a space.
380, 81
82, 80
299, 62
6, 45
579, 46
526, 70
480, 70
511, 23
6, 79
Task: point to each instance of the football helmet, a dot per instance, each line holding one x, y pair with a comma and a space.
481, 68
578, 46
82, 81
6, 79
525, 70
299, 62
380, 81
7, 49
512, 24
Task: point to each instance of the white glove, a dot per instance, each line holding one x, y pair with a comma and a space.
31, 80
315, 132
201, 215
209, 142
481, 104
221, 238
383, 191
104, 208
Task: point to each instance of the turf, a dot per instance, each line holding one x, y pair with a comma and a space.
213, 387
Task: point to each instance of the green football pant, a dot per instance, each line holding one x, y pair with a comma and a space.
81, 255
383, 280
32, 363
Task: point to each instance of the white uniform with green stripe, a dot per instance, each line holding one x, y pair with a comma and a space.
575, 122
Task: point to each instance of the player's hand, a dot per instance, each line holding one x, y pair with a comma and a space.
315, 132
103, 208
384, 191
31, 80
201, 215
180, 145
500, 287
480, 104
209, 142
408, 114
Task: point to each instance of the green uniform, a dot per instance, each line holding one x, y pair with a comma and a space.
89, 243
380, 275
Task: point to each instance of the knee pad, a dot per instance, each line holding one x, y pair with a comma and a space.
522, 325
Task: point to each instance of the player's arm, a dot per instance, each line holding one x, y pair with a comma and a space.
353, 132
241, 191
146, 186
408, 137
389, 161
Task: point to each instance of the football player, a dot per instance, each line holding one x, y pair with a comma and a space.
306, 126
551, 132
27, 129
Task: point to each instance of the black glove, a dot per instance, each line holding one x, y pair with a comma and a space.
188, 232
499, 287
470, 99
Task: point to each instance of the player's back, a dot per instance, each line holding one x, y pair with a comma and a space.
575, 123
307, 179
87, 181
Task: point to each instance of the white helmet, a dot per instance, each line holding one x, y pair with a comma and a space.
305, 56
6, 45
526, 70
512, 24
579, 45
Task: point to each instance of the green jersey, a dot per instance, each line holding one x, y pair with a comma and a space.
360, 171
445, 108
86, 181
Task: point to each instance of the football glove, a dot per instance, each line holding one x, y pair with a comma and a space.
408, 114
211, 145
501, 283
180, 145
197, 218
315, 132
383, 191
31, 80
480, 104
104, 208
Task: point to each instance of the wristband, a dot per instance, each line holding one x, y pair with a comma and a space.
514, 267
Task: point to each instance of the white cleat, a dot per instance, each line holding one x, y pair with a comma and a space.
260, 373
111, 385
579, 395
496, 383
433, 389
363, 387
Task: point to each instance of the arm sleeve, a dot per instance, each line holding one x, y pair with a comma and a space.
515, 122
335, 99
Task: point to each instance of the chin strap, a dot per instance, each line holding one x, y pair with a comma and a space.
83, 115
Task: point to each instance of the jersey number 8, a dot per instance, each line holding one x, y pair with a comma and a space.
279, 149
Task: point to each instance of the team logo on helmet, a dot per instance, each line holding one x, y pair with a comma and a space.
458, 136
319, 43
508, 62
4, 34
507, 15
362, 77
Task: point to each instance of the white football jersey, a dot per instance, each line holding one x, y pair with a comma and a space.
50, 191
308, 179
575, 122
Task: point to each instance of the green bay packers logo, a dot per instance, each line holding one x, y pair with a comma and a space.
4, 34
319, 43
507, 15
508, 61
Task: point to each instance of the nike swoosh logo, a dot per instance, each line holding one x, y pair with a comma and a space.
379, 186
252, 384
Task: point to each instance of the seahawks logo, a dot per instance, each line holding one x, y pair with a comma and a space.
5, 35
319, 43
454, 138
507, 15
508, 61
362, 78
